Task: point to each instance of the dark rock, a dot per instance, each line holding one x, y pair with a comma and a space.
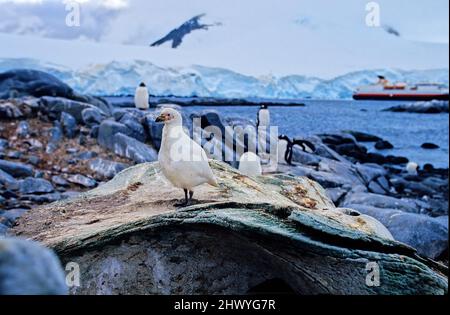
395, 159
56, 135
131, 148
362, 136
107, 130
23, 129
71, 150
59, 181
82, 140
136, 128
92, 116
82, 180
32, 185
383, 145
25, 82
105, 168
94, 131
337, 139
368, 171
69, 125
57, 105
86, 155
380, 201
428, 145
354, 150
8, 110
430, 107
154, 130
16, 169
305, 158
428, 235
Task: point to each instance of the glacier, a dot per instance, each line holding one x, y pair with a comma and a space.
119, 78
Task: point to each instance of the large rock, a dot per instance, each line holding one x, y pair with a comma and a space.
130, 239
428, 235
380, 201
24, 82
92, 116
69, 125
29, 268
106, 168
108, 128
431, 107
56, 105
16, 169
9, 110
153, 129
32, 185
133, 149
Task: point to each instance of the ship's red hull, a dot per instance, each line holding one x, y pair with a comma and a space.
404, 97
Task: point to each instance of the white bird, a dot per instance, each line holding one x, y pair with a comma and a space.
263, 118
141, 97
412, 168
183, 161
250, 164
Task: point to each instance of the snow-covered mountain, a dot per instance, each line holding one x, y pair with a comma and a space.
121, 78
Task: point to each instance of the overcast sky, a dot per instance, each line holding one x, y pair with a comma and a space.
140, 22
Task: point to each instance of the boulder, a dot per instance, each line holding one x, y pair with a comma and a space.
82, 180
56, 136
16, 169
69, 125
9, 110
380, 201
108, 128
428, 235
428, 107
133, 149
56, 105
429, 145
383, 145
25, 82
6, 179
105, 168
362, 136
136, 129
32, 185
131, 239
92, 116
28, 268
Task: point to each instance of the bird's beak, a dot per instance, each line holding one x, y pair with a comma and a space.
160, 118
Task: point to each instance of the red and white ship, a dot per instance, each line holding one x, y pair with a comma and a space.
384, 90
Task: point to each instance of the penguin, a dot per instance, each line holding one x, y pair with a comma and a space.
412, 168
263, 117
306, 145
141, 97
285, 149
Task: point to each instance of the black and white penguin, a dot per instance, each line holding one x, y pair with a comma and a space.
141, 97
306, 145
263, 117
285, 147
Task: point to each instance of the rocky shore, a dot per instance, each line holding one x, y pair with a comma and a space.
55, 143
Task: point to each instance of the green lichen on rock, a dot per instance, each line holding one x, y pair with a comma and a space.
128, 237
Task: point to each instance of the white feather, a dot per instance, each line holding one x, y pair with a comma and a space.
183, 161
250, 164
141, 97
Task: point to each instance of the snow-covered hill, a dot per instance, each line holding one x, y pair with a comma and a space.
121, 78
